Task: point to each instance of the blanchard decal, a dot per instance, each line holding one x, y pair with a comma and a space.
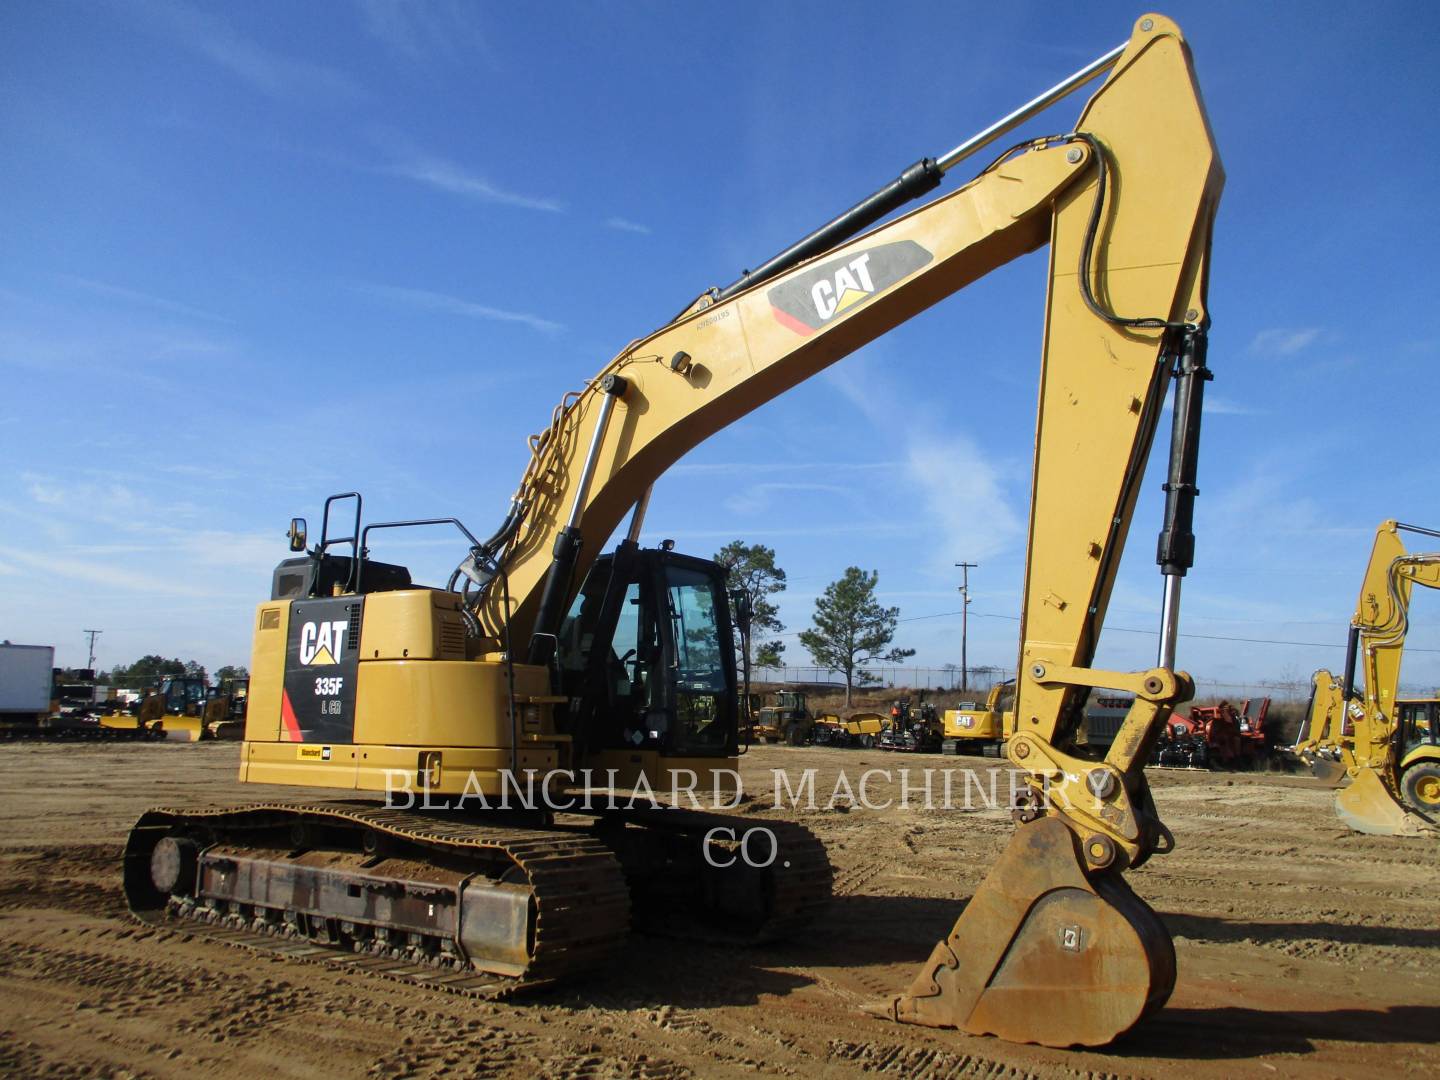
322, 659
809, 302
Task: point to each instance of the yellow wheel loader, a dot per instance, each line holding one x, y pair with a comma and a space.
544, 660
1356, 728
786, 718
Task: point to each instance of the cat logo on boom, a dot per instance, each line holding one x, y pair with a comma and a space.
808, 301
322, 643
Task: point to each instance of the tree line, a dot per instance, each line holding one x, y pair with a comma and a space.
150, 669
850, 627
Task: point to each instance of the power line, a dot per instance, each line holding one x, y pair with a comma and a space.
1155, 633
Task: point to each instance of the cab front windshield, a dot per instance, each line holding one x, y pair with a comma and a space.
700, 669
182, 692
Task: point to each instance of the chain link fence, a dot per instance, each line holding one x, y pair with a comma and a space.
981, 679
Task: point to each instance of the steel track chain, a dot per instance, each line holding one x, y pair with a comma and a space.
581, 893
582, 904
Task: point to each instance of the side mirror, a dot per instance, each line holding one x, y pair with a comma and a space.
297, 534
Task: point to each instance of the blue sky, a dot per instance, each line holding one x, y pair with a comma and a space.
256, 253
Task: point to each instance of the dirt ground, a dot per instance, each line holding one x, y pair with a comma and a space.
1304, 950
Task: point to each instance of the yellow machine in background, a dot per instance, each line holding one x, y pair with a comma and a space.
1326, 736
545, 658
185, 708
1418, 734
786, 718
976, 729
864, 729
1386, 746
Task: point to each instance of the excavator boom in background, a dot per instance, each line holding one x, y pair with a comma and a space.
1326, 736
545, 657
1386, 746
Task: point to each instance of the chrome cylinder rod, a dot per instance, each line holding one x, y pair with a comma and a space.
1031, 108
611, 388
919, 179
1169, 621
637, 517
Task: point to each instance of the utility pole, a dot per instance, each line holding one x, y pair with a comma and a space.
965, 568
90, 664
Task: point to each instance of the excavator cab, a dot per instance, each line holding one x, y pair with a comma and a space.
645, 659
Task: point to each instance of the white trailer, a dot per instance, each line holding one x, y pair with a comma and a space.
26, 674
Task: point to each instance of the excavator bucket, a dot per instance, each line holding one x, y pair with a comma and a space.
1367, 806
1331, 773
1045, 952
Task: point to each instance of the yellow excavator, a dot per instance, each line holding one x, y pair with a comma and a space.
1384, 745
545, 659
979, 729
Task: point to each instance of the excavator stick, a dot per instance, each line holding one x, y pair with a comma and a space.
1047, 951
1368, 806
1054, 948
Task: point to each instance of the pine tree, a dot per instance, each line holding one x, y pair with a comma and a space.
852, 629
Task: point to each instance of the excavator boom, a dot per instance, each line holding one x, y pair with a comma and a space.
1126, 200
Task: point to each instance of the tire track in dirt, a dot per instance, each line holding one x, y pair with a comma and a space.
84, 878
1285, 923
932, 1063
23, 1057
856, 877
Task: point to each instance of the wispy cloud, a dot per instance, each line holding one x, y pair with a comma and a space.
1269, 491
1219, 406
114, 354
751, 468
1284, 341
454, 305
42, 490
655, 533
104, 574
134, 514
758, 497
267, 71
441, 29
443, 175
962, 494
134, 296
626, 225
958, 485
